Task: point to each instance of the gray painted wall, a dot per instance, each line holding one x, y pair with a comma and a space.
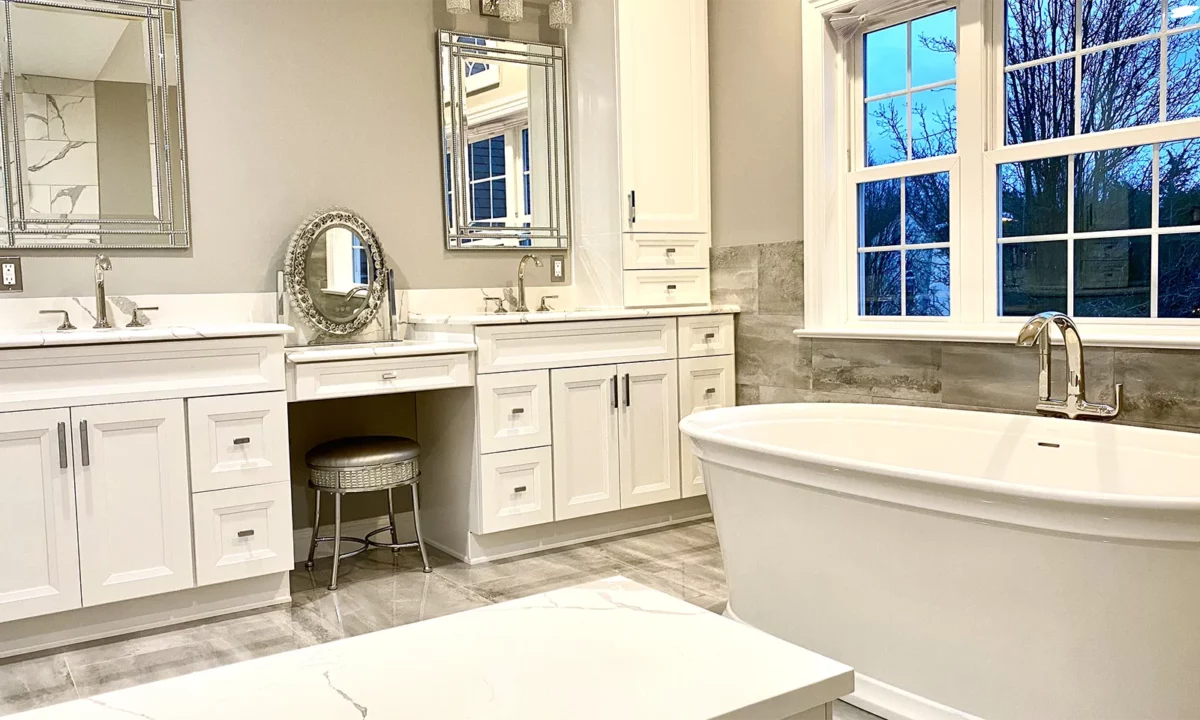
293, 105
1162, 387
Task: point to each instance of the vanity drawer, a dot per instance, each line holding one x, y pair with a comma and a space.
238, 440
514, 410
705, 383
663, 251
350, 378
664, 288
517, 490
705, 335
242, 532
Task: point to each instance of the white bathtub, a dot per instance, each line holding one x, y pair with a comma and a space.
966, 564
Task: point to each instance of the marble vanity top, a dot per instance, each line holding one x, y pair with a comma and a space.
567, 315
606, 649
326, 353
150, 333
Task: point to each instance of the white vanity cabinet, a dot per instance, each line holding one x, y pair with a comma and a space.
587, 452
117, 458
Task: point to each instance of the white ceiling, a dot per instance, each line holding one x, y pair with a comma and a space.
80, 46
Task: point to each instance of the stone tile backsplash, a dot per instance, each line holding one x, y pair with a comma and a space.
1161, 387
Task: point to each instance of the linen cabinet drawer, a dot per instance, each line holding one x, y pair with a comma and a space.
665, 288
665, 251
514, 410
704, 384
242, 532
238, 440
705, 335
517, 490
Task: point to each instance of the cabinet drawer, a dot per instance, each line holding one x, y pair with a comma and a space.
514, 410
348, 378
238, 440
242, 532
705, 335
662, 288
517, 490
665, 251
704, 384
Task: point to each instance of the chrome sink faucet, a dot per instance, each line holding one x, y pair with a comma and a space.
102, 321
1076, 404
521, 306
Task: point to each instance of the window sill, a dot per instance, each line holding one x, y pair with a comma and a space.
1172, 337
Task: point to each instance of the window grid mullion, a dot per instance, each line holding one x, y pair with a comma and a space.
1071, 235
903, 246
1154, 223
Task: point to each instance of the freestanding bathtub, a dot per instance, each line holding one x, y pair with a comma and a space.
966, 564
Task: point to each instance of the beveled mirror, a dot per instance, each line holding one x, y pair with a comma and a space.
93, 125
504, 143
334, 272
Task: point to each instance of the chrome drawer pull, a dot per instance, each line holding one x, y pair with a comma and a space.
245, 533
670, 251
389, 376
62, 445
241, 441
670, 287
518, 411
85, 452
710, 336
710, 391
519, 489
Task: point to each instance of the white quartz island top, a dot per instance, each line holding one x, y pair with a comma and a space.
150, 333
607, 650
567, 315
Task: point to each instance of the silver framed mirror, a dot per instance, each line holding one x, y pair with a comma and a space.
93, 140
334, 272
505, 166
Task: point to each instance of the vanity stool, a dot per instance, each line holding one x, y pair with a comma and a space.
356, 465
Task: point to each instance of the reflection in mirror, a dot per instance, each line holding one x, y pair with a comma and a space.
334, 273
504, 140
98, 138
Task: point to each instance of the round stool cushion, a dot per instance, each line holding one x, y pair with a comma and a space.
360, 452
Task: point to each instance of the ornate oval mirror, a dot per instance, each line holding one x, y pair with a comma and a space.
334, 272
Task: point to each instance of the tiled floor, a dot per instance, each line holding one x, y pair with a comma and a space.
378, 590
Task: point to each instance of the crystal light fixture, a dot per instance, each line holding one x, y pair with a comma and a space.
458, 7
512, 10
561, 15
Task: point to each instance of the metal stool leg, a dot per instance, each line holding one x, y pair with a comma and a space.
337, 539
417, 525
312, 546
392, 520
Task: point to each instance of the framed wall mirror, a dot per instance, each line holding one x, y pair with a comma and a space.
93, 137
504, 143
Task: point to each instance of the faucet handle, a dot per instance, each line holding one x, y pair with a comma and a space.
135, 321
544, 307
66, 320
499, 309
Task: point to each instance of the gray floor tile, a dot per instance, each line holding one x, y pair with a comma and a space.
34, 683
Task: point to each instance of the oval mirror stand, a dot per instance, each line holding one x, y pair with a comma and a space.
334, 272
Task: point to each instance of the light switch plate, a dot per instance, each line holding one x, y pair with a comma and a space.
558, 268
10, 275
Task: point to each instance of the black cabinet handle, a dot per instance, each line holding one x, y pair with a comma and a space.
626, 389
710, 391
518, 411
518, 489
710, 336
614, 392
670, 287
245, 533
241, 441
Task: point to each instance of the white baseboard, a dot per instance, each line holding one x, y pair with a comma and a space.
301, 537
886, 701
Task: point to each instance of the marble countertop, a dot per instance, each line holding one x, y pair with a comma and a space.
326, 353
567, 315
603, 650
150, 333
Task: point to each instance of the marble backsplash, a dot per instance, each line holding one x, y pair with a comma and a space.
1162, 387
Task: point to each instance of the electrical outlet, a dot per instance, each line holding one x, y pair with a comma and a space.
10, 274
558, 268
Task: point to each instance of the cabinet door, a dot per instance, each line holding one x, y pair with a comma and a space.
704, 384
131, 490
39, 550
663, 51
586, 454
649, 432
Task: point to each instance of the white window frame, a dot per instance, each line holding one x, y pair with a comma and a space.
832, 137
514, 169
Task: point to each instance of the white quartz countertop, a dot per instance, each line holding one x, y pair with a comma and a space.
326, 353
604, 650
150, 333
567, 315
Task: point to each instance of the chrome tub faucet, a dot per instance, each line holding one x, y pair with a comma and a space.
1075, 405
102, 264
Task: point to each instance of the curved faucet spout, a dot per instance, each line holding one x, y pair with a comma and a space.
1037, 330
102, 264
